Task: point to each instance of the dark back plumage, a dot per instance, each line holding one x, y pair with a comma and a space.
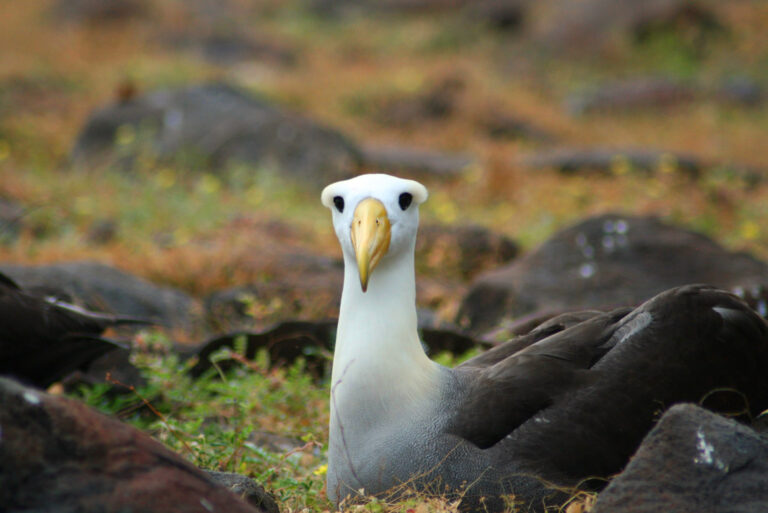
575, 397
43, 339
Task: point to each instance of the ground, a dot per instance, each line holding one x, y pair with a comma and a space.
367, 76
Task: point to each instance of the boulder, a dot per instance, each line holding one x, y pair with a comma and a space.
588, 26
637, 94
502, 15
438, 101
603, 262
463, 251
226, 47
567, 159
11, 217
247, 489
310, 340
100, 11
415, 162
215, 125
692, 461
501, 125
302, 286
114, 368
104, 288
59, 452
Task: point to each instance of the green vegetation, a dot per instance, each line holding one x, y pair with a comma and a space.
214, 420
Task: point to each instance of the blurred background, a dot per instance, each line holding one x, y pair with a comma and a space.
185, 142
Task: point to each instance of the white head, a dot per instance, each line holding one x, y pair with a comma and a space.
376, 217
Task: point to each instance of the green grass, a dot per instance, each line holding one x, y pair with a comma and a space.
210, 420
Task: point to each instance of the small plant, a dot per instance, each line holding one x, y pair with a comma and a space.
212, 420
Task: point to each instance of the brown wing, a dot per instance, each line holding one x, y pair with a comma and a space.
507, 385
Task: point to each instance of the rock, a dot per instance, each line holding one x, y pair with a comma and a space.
11, 216
438, 102
216, 124
231, 47
247, 489
462, 250
637, 94
692, 461
99, 11
274, 442
284, 342
310, 290
602, 262
502, 15
415, 162
588, 26
57, 451
740, 91
644, 93
114, 368
102, 231
499, 125
337, 8
101, 287
611, 160
310, 340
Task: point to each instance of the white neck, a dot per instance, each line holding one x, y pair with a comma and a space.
379, 368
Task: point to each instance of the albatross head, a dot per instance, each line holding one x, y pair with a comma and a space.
375, 217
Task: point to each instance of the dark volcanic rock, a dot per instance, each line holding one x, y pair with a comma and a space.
499, 125
693, 461
230, 47
114, 368
58, 454
247, 489
105, 288
284, 342
604, 261
740, 91
99, 11
437, 102
503, 15
217, 124
632, 95
643, 93
607, 160
462, 250
586, 26
310, 340
415, 161
311, 290
11, 214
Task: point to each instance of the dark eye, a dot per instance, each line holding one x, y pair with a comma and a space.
405, 200
339, 202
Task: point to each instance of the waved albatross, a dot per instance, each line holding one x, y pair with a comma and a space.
569, 400
43, 339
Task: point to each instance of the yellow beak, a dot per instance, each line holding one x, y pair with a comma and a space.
370, 234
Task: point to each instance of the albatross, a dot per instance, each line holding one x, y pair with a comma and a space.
570, 400
43, 339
